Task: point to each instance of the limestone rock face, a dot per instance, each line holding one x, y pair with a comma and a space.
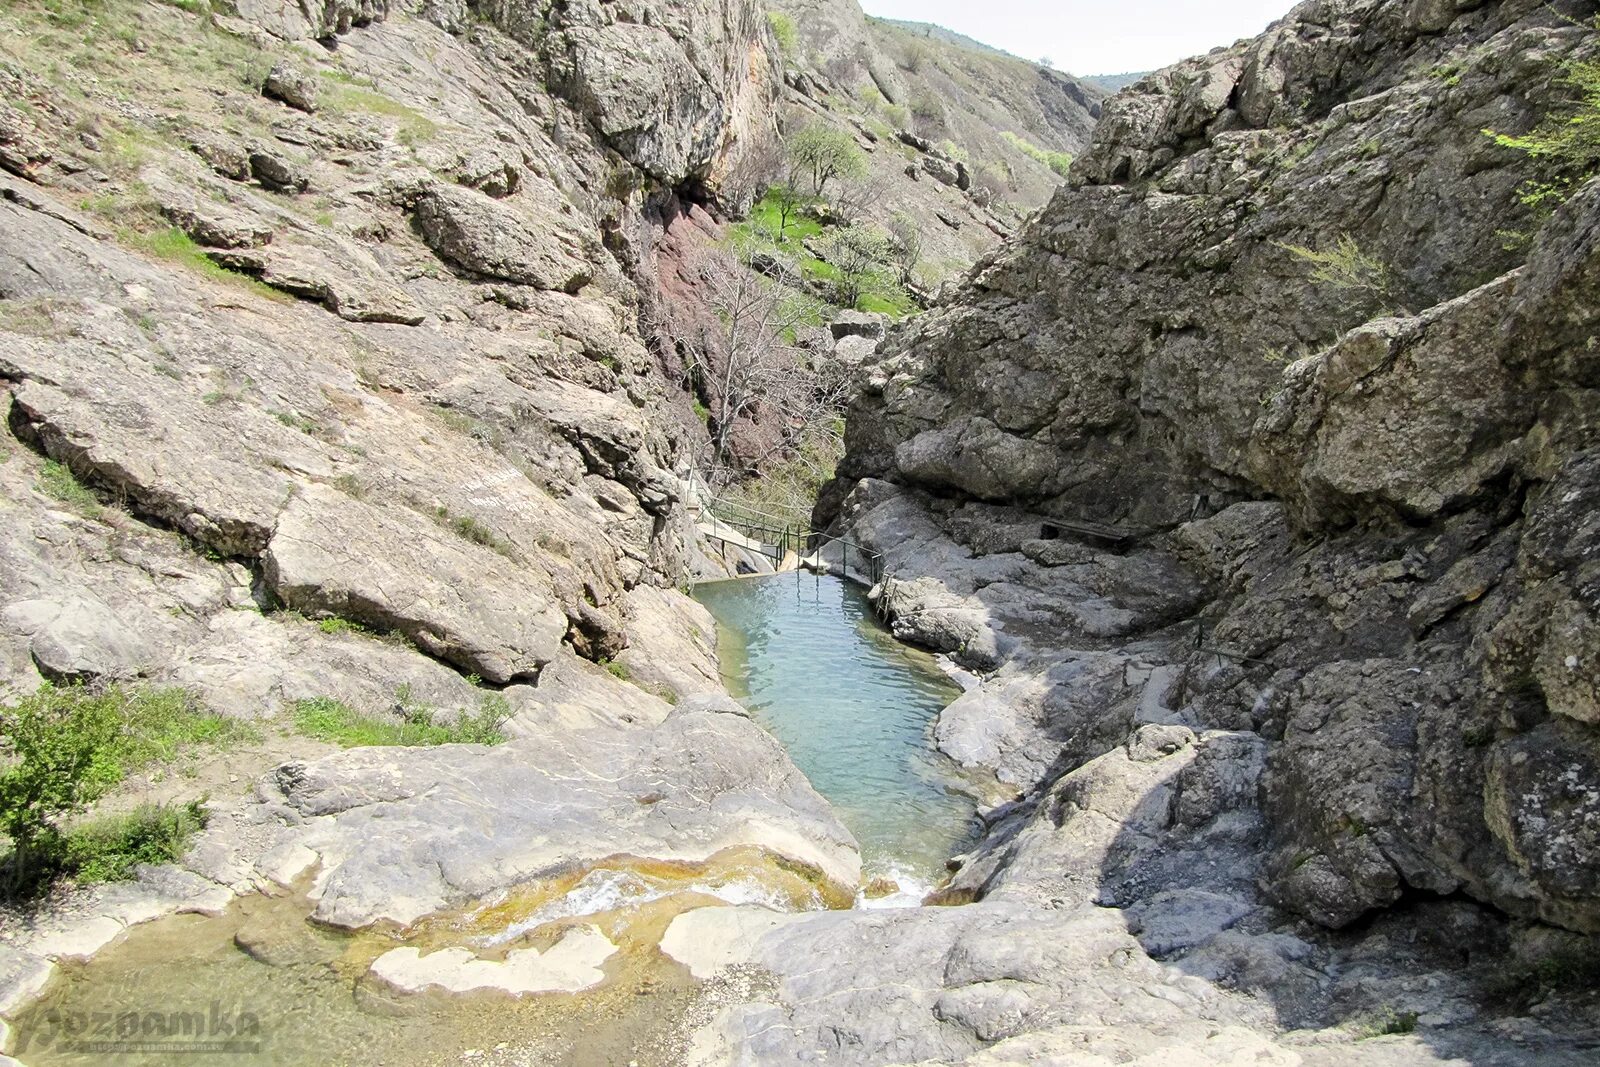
528, 246
1384, 490
294, 19
674, 88
404, 832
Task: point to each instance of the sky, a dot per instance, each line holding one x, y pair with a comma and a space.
1094, 36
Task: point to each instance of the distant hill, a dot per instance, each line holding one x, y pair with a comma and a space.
1112, 83
939, 33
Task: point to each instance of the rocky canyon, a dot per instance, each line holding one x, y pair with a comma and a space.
372, 370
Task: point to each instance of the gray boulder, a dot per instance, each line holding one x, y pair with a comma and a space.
530, 244
289, 84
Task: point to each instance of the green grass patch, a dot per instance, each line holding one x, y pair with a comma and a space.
412, 126
1060, 162
162, 724
327, 719
171, 245
763, 224
895, 303
57, 482
470, 529
336, 625
111, 848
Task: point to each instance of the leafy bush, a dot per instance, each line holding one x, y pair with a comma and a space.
860, 268
784, 32
953, 151
1564, 146
824, 154
928, 110
109, 849
64, 748
56, 746
327, 719
1345, 267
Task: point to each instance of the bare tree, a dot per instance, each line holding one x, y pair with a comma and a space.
759, 165
745, 356
905, 245
859, 255
856, 196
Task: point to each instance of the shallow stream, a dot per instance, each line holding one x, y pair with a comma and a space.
854, 707
260, 985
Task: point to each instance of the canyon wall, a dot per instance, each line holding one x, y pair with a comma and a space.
1379, 494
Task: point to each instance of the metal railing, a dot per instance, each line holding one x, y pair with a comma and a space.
775, 537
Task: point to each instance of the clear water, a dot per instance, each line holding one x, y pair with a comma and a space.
854, 707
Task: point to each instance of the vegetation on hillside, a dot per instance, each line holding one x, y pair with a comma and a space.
1346, 268
328, 719
63, 748
1564, 147
1060, 162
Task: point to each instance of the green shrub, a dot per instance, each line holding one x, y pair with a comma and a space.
824, 154
1564, 147
785, 32
350, 485
62, 748
56, 747
327, 719
1386, 1022
928, 110
1346, 268
109, 849
57, 481
470, 529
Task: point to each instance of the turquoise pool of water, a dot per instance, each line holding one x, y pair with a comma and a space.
854, 707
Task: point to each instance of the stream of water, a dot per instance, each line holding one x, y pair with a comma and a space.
854, 708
